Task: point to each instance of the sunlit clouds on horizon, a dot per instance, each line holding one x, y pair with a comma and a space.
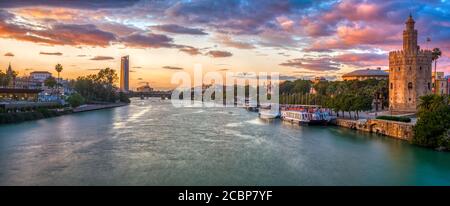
299, 39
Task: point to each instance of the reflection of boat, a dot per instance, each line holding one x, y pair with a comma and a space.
269, 111
310, 116
251, 109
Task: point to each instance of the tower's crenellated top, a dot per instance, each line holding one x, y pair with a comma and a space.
410, 37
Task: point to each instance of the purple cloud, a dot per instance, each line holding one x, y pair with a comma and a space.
190, 50
323, 64
148, 41
81, 4
219, 54
177, 29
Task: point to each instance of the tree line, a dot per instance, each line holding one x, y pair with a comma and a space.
341, 96
99, 87
5, 79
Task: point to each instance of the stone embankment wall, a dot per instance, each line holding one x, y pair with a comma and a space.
91, 107
399, 130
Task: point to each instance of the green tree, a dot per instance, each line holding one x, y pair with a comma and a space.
3, 79
75, 100
98, 87
50, 82
7, 80
361, 103
433, 121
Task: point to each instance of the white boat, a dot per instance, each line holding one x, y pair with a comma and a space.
268, 114
270, 111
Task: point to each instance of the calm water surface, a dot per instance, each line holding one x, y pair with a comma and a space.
151, 143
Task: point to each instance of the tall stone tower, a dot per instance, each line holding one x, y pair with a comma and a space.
124, 73
409, 72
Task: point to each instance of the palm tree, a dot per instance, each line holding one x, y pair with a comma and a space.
425, 102
436, 54
58, 69
432, 102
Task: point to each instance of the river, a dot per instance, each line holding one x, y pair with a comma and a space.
150, 142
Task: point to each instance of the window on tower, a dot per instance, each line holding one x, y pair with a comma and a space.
410, 85
392, 86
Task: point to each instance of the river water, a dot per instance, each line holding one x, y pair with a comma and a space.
150, 142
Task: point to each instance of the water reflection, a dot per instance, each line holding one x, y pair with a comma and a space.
151, 143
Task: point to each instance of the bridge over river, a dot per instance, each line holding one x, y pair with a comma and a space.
162, 94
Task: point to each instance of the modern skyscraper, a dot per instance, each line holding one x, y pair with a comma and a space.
124, 73
409, 72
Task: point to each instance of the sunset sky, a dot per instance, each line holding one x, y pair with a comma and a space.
299, 39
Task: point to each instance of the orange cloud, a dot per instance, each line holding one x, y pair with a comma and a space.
62, 14
285, 23
362, 59
354, 11
364, 35
9, 54
55, 34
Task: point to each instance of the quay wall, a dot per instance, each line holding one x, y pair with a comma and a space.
398, 130
91, 107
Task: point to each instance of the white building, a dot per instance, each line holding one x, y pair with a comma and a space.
40, 75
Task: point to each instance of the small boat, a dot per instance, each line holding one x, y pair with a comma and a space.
269, 111
251, 105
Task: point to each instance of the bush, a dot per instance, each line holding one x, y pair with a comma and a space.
7, 118
44, 111
431, 127
395, 118
123, 98
75, 100
444, 139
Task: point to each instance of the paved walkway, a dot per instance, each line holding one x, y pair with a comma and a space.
372, 115
90, 107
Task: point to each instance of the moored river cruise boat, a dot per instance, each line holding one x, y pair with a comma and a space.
306, 115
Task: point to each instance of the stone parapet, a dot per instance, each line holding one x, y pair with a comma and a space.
398, 130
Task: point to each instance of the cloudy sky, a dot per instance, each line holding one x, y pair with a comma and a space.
296, 38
